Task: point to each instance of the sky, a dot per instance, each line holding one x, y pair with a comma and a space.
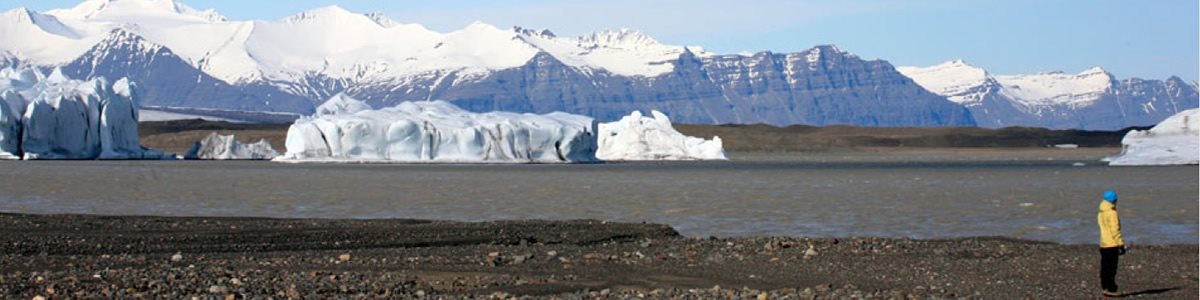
1148, 39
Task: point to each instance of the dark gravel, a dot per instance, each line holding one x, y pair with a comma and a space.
72, 256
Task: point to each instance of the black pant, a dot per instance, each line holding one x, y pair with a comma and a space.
1108, 268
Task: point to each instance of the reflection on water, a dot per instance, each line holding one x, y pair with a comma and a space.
1045, 199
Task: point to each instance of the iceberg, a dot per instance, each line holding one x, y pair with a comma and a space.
55, 117
226, 147
348, 130
637, 137
1174, 141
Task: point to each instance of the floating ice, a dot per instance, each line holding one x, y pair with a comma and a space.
636, 137
1174, 141
55, 117
437, 131
226, 147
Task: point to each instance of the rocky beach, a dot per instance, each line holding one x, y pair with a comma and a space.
82, 256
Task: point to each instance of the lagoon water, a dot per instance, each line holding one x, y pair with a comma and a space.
817, 195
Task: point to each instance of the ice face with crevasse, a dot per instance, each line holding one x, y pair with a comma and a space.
1174, 141
55, 117
437, 131
227, 147
637, 137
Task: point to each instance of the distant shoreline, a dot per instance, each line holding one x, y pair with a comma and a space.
110, 256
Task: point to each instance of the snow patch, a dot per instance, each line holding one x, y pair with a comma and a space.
226, 147
637, 137
341, 104
1174, 141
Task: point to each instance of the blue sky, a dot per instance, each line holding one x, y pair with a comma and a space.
1149, 39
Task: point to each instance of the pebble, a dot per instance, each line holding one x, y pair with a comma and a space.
520, 258
344, 257
177, 257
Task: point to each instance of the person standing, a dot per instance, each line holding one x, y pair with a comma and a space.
1111, 244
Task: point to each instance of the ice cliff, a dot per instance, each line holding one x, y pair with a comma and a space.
437, 131
1174, 141
55, 117
637, 137
226, 147
348, 130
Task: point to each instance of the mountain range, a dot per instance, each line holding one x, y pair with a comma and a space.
1092, 99
187, 58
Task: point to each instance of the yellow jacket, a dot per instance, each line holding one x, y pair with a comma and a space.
1110, 226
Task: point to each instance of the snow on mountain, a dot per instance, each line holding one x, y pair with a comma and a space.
40, 38
143, 12
624, 52
954, 79
958, 80
316, 41
191, 58
1092, 99
341, 104
1174, 141
1057, 87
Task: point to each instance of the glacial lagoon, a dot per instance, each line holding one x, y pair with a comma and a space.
863, 194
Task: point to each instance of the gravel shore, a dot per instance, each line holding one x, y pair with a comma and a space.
74, 256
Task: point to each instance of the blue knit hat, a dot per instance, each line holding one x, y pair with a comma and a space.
1110, 196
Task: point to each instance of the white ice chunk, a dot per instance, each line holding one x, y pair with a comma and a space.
636, 137
55, 117
1174, 141
438, 131
226, 147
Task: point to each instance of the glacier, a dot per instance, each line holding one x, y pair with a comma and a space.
55, 117
226, 147
637, 137
1174, 141
437, 131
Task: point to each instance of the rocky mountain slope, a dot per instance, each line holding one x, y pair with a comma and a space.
183, 57
187, 58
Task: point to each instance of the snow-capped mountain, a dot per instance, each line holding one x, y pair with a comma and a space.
1092, 99
185, 57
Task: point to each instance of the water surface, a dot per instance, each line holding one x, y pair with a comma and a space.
871, 194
